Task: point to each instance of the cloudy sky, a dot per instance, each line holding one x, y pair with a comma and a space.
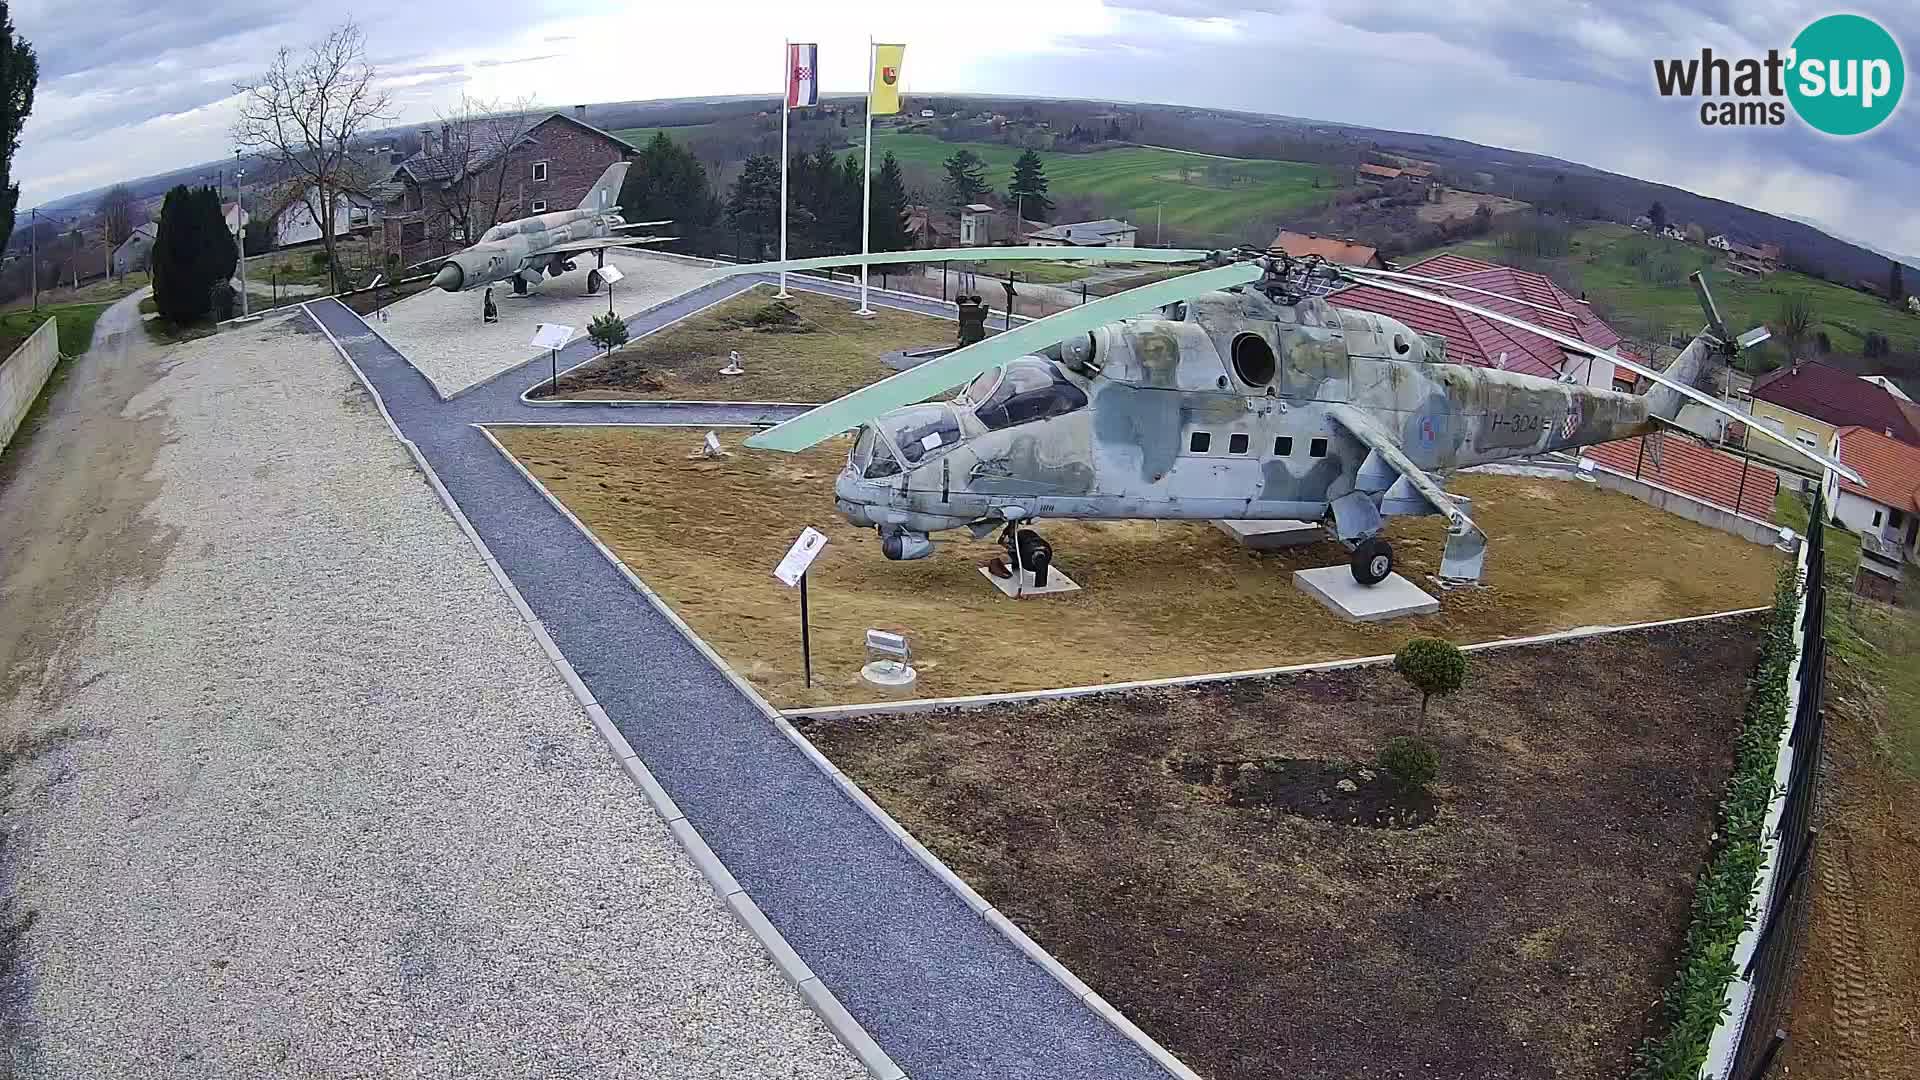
134, 87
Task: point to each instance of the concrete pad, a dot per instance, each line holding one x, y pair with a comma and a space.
1272, 535
1334, 586
1057, 582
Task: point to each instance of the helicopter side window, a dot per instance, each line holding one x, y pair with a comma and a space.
1317, 448
1029, 390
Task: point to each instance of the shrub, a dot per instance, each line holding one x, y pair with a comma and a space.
775, 315
1410, 761
319, 260
607, 331
1433, 667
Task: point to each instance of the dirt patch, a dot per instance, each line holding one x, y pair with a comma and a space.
1854, 1010
817, 350
1337, 791
1459, 205
1158, 598
1526, 931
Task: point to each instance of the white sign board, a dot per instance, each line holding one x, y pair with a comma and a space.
549, 335
610, 274
800, 556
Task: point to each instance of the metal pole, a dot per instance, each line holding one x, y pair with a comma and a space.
806, 637
786, 93
553, 366
866, 185
1638, 456
1745, 456
33, 237
943, 281
240, 235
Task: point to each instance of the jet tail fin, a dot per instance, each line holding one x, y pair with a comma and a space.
604, 196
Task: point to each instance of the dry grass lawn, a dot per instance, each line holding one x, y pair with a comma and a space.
1159, 598
829, 352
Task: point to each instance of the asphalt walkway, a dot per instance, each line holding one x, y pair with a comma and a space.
941, 992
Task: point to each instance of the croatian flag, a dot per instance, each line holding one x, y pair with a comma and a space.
803, 83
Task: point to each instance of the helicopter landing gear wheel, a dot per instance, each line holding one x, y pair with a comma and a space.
1372, 561
1027, 550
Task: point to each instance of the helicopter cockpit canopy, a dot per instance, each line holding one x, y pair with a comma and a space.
1021, 391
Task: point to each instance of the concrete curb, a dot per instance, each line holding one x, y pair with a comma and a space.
940, 870
840, 1022
976, 701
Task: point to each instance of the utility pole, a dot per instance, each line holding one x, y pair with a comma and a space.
33, 238
240, 230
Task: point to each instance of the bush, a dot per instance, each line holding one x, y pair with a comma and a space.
319, 259
776, 315
1410, 761
1433, 667
607, 331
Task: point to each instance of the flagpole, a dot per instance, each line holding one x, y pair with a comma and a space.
866, 184
786, 96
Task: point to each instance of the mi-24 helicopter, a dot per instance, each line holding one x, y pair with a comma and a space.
1234, 392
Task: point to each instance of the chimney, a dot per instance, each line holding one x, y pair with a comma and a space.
426, 140
580, 113
446, 138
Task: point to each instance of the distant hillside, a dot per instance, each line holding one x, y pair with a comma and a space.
724, 130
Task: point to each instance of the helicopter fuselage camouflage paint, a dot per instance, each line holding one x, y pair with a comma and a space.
1182, 421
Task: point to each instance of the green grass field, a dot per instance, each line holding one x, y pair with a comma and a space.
640, 136
1598, 263
1135, 180
76, 326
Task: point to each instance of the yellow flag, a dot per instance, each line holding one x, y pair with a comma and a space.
883, 91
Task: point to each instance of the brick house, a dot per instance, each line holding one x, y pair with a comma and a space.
448, 191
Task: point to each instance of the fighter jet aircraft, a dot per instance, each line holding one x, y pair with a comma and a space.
1235, 392
521, 250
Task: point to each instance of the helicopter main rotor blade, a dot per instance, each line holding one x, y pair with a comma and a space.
983, 254
1639, 369
916, 384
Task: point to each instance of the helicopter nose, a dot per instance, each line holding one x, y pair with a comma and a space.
450, 277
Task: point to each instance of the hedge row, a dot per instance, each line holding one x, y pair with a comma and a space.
1695, 1002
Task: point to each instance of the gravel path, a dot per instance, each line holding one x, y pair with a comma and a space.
442, 334
941, 991
291, 791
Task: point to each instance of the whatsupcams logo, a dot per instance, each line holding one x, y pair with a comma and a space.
1843, 75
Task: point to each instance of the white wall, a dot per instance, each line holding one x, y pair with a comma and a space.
297, 224
23, 374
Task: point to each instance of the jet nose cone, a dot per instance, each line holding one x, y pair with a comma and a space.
450, 277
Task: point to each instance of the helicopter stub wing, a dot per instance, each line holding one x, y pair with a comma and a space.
969, 254
916, 384
1466, 549
1576, 345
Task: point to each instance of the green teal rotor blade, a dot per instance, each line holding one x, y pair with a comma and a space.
916, 384
983, 254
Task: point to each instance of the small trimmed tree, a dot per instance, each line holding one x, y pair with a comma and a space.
608, 331
1432, 666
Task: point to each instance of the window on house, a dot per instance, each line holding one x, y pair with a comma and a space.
1896, 519
1876, 518
1200, 441
539, 172
1283, 446
539, 206
1237, 443
1317, 448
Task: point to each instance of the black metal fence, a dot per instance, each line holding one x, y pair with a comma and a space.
1783, 912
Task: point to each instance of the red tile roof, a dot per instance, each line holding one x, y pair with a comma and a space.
1890, 467
1838, 397
1379, 170
1692, 469
1344, 252
1472, 339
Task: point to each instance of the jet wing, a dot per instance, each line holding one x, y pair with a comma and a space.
600, 242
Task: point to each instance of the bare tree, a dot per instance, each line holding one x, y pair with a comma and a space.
304, 115
115, 211
480, 142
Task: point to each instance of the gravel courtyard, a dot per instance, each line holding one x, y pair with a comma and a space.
290, 790
442, 334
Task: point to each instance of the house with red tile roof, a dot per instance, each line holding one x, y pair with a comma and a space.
1885, 510
1809, 402
1346, 252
